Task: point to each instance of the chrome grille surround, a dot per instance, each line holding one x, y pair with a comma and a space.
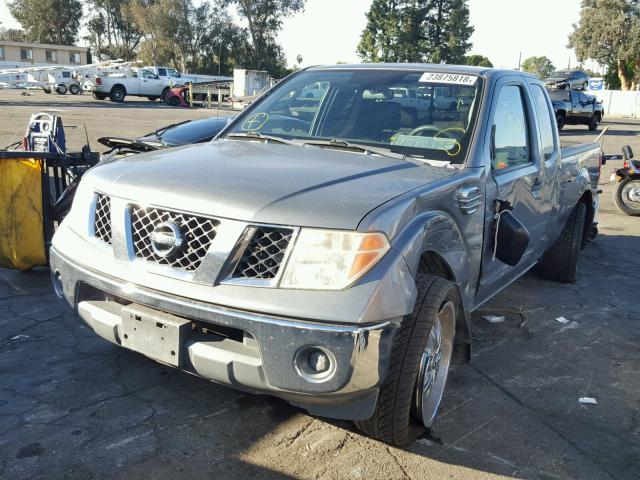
102, 219
198, 233
264, 254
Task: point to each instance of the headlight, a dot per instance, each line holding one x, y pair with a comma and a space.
332, 260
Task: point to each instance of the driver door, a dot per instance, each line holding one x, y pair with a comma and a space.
516, 176
150, 83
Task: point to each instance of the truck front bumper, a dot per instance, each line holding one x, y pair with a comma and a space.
250, 351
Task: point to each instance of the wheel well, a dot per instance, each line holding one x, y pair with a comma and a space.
431, 262
434, 264
587, 199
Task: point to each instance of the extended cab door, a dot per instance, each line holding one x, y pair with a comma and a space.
517, 176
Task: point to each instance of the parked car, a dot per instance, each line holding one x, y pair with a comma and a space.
572, 79
576, 108
332, 262
175, 135
142, 83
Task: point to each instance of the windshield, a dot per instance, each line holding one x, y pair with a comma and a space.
172, 73
421, 114
559, 96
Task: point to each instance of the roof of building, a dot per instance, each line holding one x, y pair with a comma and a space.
42, 45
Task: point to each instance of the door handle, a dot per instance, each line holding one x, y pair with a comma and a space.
536, 187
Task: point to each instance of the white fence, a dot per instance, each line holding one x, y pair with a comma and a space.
617, 102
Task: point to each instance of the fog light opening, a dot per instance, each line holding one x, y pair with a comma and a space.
57, 284
315, 364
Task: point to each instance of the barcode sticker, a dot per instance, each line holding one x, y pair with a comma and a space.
449, 78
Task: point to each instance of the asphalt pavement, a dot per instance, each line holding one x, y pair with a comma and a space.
74, 406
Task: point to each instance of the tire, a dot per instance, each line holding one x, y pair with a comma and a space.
61, 89
173, 101
620, 195
117, 94
560, 262
99, 95
561, 120
164, 93
46, 89
152, 99
74, 89
395, 419
593, 123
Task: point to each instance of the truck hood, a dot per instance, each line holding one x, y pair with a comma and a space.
262, 182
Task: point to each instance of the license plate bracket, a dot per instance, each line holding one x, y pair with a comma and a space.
156, 334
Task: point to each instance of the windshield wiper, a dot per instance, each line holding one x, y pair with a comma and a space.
260, 136
358, 147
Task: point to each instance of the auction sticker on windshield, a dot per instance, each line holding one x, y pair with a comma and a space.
448, 78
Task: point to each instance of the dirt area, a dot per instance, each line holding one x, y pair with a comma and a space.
75, 406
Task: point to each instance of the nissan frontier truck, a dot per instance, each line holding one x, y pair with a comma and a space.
329, 250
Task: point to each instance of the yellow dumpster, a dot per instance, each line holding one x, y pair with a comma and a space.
21, 213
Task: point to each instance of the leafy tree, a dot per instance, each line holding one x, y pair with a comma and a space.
478, 61
188, 37
540, 66
435, 31
12, 34
112, 34
264, 18
48, 21
608, 32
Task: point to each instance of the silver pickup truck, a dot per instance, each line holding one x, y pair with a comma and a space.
329, 249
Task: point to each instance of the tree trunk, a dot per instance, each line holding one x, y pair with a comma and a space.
625, 82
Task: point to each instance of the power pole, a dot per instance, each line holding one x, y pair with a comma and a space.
519, 60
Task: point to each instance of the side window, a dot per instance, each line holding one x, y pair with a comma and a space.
162, 72
510, 130
545, 122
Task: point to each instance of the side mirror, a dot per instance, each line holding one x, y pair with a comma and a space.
627, 153
512, 239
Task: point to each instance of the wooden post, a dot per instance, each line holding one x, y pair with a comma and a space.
219, 98
208, 98
190, 95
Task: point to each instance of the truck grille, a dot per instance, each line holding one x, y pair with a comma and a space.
197, 233
102, 219
263, 255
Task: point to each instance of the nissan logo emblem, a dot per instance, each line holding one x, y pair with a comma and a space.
166, 239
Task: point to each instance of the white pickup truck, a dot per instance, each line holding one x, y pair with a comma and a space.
142, 83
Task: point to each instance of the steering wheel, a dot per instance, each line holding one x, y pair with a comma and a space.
287, 123
445, 132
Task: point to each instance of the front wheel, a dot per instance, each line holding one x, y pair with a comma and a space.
626, 194
594, 122
61, 89
411, 393
74, 89
561, 120
152, 99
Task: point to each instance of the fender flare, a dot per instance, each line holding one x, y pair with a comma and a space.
434, 243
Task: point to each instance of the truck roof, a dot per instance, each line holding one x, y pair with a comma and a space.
433, 67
